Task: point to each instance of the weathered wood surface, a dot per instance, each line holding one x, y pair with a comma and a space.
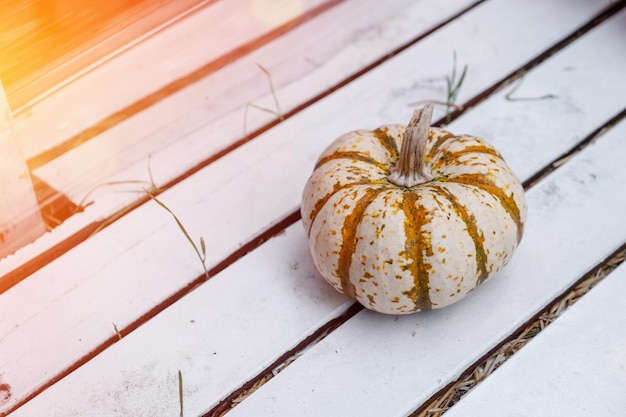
576, 367
42, 42
20, 219
231, 328
190, 124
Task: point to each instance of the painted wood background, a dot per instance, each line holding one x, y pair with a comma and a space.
20, 219
181, 112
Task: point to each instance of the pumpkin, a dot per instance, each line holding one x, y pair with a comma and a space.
411, 218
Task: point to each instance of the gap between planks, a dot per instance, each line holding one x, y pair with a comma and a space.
489, 362
442, 401
281, 363
566, 156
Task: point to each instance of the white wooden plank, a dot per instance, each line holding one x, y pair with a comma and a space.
20, 219
153, 61
382, 365
321, 53
576, 367
207, 338
128, 276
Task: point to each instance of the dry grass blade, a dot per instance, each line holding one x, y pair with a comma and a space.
83, 202
180, 391
200, 252
453, 86
117, 332
153, 187
278, 112
509, 96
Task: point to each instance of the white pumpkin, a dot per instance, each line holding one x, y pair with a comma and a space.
411, 218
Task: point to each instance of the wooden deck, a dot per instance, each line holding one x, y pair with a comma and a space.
222, 109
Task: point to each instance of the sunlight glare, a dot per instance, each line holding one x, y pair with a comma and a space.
276, 12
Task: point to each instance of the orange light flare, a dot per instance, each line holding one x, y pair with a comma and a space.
20, 219
38, 36
35, 36
276, 12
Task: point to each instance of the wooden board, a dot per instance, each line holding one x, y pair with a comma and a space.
575, 367
124, 293
20, 219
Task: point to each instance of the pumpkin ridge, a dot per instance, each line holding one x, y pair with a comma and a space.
349, 239
507, 202
416, 243
472, 229
444, 136
320, 203
448, 157
355, 156
386, 141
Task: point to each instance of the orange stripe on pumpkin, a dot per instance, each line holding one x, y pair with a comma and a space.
349, 239
320, 203
354, 156
453, 157
442, 136
472, 229
417, 245
507, 201
387, 142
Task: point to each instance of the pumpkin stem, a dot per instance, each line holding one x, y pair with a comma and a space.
411, 167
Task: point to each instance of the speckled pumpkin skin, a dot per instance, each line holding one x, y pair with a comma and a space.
400, 250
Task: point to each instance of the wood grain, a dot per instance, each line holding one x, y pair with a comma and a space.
129, 275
